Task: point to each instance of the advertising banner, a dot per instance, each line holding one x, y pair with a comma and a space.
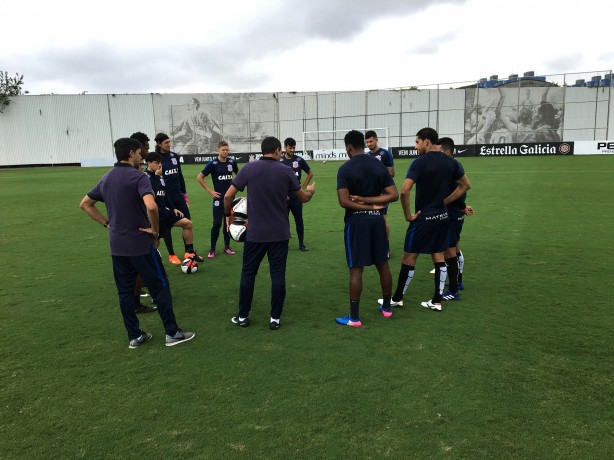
594, 148
486, 150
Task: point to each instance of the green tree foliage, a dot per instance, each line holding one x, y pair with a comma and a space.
9, 87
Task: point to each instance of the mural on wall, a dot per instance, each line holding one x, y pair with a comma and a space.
512, 115
197, 122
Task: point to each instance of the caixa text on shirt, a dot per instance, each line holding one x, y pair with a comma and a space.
562, 148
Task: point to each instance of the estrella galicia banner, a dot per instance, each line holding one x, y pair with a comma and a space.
492, 150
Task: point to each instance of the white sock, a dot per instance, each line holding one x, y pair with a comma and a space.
273, 320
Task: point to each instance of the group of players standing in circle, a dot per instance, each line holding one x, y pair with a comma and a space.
365, 187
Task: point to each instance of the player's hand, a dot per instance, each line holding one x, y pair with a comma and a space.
469, 211
358, 199
377, 207
229, 220
215, 194
178, 213
187, 200
312, 188
413, 217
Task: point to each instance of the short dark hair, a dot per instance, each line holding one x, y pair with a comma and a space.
290, 142
153, 156
269, 145
369, 134
139, 136
355, 138
124, 146
222, 144
428, 134
446, 143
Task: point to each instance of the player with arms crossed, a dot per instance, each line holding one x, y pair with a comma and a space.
221, 171
364, 188
133, 237
268, 185
428, 229
175, 189
298, 165
385, 157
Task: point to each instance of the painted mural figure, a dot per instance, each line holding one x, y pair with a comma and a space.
198, 133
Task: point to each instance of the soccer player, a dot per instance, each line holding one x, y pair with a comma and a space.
457, 210
221, 171
298, 165
432, 173
385, 157
364, 188
175, 189
268, 184
169, 215
133, 237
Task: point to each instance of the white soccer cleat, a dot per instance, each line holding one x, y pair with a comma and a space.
430, 304
392, 303
432, 272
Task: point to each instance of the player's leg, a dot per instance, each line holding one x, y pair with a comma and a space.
452, 266
168, 242
253, 253
461, 265
277, 254
441, 271
357, 239
217, 211
125, 275
379, 257
297, 212
408, 262
139, 307
151, 269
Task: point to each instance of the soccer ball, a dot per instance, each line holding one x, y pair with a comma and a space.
239, 208
189, 266
237, 230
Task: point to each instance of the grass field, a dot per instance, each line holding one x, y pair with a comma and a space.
520, 367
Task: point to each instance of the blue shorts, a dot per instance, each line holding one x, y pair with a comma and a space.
365, 242
427, 236
456, 227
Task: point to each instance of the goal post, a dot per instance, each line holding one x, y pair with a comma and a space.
329, 144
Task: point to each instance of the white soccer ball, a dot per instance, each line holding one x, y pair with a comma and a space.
239, 208
237, 230
189, 266
324, 162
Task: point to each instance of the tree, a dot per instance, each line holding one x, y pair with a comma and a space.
9, 87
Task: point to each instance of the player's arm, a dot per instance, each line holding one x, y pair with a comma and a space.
307, 179
89, 206
228, 199
390, 163
461, 188
390, 194
201, 180
152, 214
343, 195
305, 195
408, 184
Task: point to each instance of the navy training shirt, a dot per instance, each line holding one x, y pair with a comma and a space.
221, 173
384, 156
268, 184
456, 209
363, 175
173, 177
432, 173
122, 190
164, 202
298, 165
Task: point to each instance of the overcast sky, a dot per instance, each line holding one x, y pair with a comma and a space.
135, 46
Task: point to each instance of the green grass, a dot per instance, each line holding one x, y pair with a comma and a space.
521, 367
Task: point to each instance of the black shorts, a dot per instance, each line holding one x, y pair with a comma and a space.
168, 219
365, 242
181, 205
456, 227
427, 236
